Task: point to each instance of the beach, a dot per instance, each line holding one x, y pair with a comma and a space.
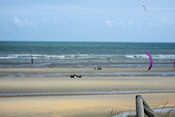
35, 78
97, 95
82, 106
88, 58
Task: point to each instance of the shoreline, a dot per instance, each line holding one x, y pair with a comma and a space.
85, 70
83, 93
83, 64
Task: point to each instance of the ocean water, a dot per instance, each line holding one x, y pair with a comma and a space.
85, 54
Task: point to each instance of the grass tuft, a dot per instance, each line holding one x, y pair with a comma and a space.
113, 113
170, 113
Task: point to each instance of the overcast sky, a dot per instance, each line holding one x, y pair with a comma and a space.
88, 20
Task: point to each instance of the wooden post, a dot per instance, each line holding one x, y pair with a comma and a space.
139, 106
142, 107
148, 111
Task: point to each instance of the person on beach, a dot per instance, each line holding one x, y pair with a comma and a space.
75, 75
98, 67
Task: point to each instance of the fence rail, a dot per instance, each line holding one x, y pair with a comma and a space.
143, 108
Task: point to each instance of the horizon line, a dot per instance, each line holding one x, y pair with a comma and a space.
88, 41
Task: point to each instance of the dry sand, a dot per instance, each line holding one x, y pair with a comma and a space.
58, 106
82, 105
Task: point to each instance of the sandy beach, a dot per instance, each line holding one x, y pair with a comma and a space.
90, 58
80, 105
63, 106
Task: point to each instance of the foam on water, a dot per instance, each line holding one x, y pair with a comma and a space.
144, 56
83, 56
64, 52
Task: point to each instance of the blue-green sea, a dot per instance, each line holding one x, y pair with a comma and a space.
85, 54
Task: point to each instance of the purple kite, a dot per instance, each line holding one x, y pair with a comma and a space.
151, 60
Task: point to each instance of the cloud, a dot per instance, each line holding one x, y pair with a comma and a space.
45, 20
130, 21
22, 23
162, 8
165, 20
122, 23
28, 23
152, 24
17, 21
109, 23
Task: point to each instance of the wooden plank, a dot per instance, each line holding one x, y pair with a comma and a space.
139, 106
148, 111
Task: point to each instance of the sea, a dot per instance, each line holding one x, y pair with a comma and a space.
19, 54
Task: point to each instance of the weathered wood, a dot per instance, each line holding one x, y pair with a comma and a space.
142, 107
139, 106
148, 111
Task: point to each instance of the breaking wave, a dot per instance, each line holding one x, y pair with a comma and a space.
83, 56
144, 56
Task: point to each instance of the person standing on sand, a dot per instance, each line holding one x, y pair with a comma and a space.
31, 55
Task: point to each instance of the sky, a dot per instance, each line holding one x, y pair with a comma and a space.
87, 20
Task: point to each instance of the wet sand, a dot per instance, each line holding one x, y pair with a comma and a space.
80, 105
83, 70
66, 84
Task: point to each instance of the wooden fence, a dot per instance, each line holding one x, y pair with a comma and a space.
143, 108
